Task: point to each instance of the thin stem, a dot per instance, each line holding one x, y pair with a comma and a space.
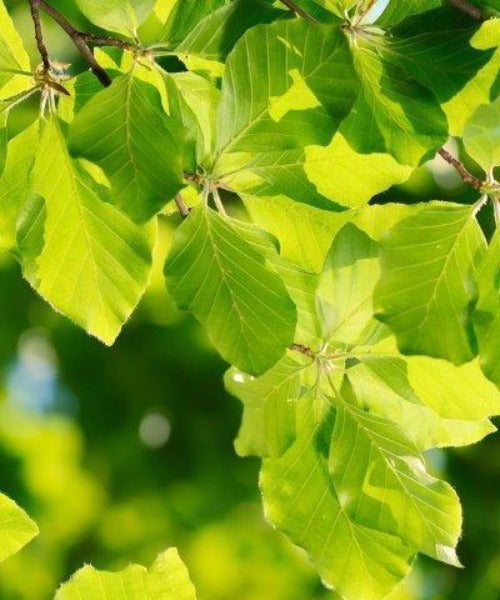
40, 42
181, 206
480, 204
300, 11
218, 201
78, 38
496, 210
468, 8
476, 183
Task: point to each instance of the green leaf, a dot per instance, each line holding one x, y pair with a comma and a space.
16, 528
345, 291
482, 136
14, 182
30, 229
382, 482
95, 263
125, 131
403, 389
184, 18
427, 286
300, 284
331, 169
224, 281
122, 16
453, 392
393, 113
287, 85
268, 426
210, 32
324, 11
13, 56
478, 89
305, 233
434, 48
193, 102
300, 499
487, 312
353, 489
167, 579
399, 11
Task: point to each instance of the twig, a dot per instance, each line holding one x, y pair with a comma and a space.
98, 40
82, 40
466, 7
300, 11
181, 206
303, 350
40, 42
476, 183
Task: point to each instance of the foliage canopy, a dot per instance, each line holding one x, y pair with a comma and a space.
360, 335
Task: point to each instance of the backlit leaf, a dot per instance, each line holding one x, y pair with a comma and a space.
428, 266
224, 281
125, 131
95, 263
166, 579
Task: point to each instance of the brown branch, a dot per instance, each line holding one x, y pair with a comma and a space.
303, 350
300, 11
97, 40
181, 206
40, 42
468, 8
82, 40
476, 183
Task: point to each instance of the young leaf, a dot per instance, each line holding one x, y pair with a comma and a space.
487, 313
356, 465
122, 16
13, 56
268, 426
125, 131
301, 500
193, 102
428, 265
435, 402
480, 88
14, 182
305, 233
349, 178
345, 291
211, 31
381, 479
482, 136
16, 528
287, 85
393, 113
402, 389
166, 579
95, 263
184, 18
399, 11
224, 281
434, 48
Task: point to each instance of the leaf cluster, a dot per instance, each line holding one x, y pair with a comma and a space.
360, 336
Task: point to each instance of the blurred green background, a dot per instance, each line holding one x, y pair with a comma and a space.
120, 453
